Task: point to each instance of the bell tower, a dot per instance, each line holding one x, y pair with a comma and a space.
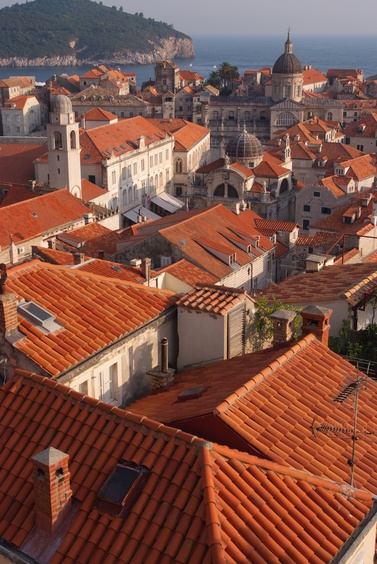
64, 147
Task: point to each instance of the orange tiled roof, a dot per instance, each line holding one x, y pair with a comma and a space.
186, 133
17, 161
271, 226
99, 114
334, 222
270, 170
53, 256
93, 311
189, 273
200, 502
348, 282
18, 101
211, 299
312, 76
320, 238
91, 191
212, 225
77, 238
36, 216
271, 400
17, 193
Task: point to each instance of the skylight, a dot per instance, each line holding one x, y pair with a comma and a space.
192, 393
122, 488
38, 316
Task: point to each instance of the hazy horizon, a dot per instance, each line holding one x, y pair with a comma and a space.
219, 17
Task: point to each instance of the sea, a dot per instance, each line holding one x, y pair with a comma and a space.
246, 52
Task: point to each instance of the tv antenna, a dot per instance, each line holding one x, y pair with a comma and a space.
347, 433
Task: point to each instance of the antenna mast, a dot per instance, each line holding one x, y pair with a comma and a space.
343, 432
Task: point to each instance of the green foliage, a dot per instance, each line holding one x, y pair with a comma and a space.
361, 346
50, 28
263, 326
214, 80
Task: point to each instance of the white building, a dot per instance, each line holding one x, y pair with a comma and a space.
21, 116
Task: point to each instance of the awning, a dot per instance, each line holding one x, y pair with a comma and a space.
167, 202
135, 214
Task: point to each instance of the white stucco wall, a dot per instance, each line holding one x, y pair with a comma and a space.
201, 338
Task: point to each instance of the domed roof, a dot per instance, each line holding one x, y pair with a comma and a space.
61, 104
287, 63
244, 145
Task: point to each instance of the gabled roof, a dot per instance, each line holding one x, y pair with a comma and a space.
118, 138
338, 282
98, 114
189, 231
270, 170
364, 127
212, 299
186, 133
18, 102
271, 226
334, 223
93, 312
91, 191
189, 273
273, 399
200, 502
311, 76
17, 161
37, 216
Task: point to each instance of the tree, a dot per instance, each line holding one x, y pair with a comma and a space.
215, 80
262, 330
224, 72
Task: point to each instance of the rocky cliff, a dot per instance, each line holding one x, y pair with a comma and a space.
171, 48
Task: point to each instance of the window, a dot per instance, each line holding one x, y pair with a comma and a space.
305, 224
142, 164
178, 190
128, 171
326, 211
106, 384
156, 160
160, 157
165, 261
317, 194
113, 177
167, 154
92, 178
360, 147
178, 166
348, 140
58, 141
287, 91
151, 161
125, 197
73, 140
306, 208
124, 173
231, 115
83, 388
135, 168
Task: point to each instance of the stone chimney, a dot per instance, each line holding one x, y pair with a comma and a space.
78, 258
52, 488
315, 319
146, 269
8, 307
163, 375
283, 326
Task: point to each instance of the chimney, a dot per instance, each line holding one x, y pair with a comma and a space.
88, 217
283, 321
315, 319
163, 375
146, 269
8, 307
78, 258
52, 488
13, 251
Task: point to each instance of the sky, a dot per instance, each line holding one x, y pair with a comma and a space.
244, 17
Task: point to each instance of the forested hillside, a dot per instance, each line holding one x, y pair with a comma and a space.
85, 29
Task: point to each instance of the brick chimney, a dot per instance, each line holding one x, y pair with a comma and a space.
52, 488
78, 258
315, 319
163, 375
283, 326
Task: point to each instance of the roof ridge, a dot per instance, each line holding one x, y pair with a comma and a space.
263, 374
117, 413
210, 504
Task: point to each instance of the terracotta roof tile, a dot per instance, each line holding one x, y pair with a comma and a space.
88, 320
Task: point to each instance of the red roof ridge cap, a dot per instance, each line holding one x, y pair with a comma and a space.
211, 512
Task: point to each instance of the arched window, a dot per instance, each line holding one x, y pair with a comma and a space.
287, 119
125, 197
178, 166
73, 140
58, 141
284, 186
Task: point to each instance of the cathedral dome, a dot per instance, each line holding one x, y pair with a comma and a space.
244, 145
61, 104
287, 63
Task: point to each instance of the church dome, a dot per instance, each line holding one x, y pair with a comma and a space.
287, 63
61, 104
244, 145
